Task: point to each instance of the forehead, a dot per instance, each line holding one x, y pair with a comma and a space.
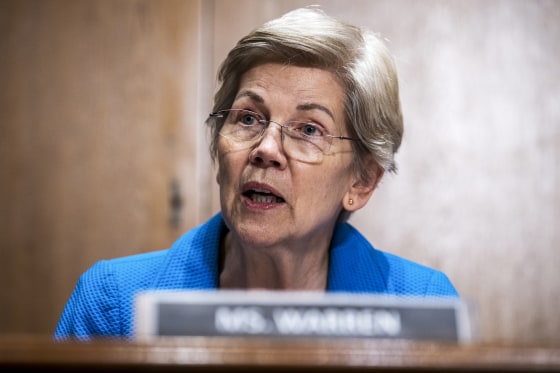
292, 87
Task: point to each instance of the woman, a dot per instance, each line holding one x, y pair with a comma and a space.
305, 123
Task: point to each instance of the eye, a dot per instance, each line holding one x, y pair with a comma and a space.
248, 118
308, 129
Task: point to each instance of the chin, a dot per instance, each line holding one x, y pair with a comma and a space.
255, 234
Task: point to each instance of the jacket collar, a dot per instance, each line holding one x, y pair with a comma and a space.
192, 261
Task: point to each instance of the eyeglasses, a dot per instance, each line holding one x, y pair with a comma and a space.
303, 141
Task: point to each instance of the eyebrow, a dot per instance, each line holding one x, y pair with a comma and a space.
252, 95
313, 106
301, 107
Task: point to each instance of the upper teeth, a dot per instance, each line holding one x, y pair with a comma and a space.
263, 199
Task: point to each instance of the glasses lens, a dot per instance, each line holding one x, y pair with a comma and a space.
242, 125
302, 141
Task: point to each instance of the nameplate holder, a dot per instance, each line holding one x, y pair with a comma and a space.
286, 314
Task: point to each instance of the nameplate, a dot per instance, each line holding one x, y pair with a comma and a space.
299, 314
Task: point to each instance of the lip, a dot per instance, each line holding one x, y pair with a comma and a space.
261, 187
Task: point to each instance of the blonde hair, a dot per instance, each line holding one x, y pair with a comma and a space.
310, 38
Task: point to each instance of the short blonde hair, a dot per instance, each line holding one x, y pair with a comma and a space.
308, 37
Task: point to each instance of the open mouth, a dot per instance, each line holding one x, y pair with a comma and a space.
262, 196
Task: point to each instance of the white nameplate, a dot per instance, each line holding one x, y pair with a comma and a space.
299, 314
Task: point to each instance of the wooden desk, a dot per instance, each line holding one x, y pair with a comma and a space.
235, 354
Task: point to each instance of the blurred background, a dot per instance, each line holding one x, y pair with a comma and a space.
104, 151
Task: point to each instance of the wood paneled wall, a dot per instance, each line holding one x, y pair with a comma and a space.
100, 127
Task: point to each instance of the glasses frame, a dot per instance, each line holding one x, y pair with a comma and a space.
224, 114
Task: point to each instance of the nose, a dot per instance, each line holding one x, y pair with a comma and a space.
269, 151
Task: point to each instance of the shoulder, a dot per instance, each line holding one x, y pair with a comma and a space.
133, 269
102, 301
96, 305
409, 277
108, 282
380, 271
163, 268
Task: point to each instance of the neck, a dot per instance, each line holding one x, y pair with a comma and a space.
273, 268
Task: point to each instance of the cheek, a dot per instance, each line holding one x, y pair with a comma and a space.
229, 169
337, 181
222, 165
222, 173
218, 179
324, 186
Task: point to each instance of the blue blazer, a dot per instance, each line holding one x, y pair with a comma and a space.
102, 303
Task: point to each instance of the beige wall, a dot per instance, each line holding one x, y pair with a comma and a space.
478, 189
103, 103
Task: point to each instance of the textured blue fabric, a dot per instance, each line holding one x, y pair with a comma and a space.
103, 299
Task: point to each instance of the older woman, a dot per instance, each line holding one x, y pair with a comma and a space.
305, 123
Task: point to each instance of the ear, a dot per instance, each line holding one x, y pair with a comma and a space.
361, 190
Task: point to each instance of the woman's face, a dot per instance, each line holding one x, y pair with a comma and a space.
268, 198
